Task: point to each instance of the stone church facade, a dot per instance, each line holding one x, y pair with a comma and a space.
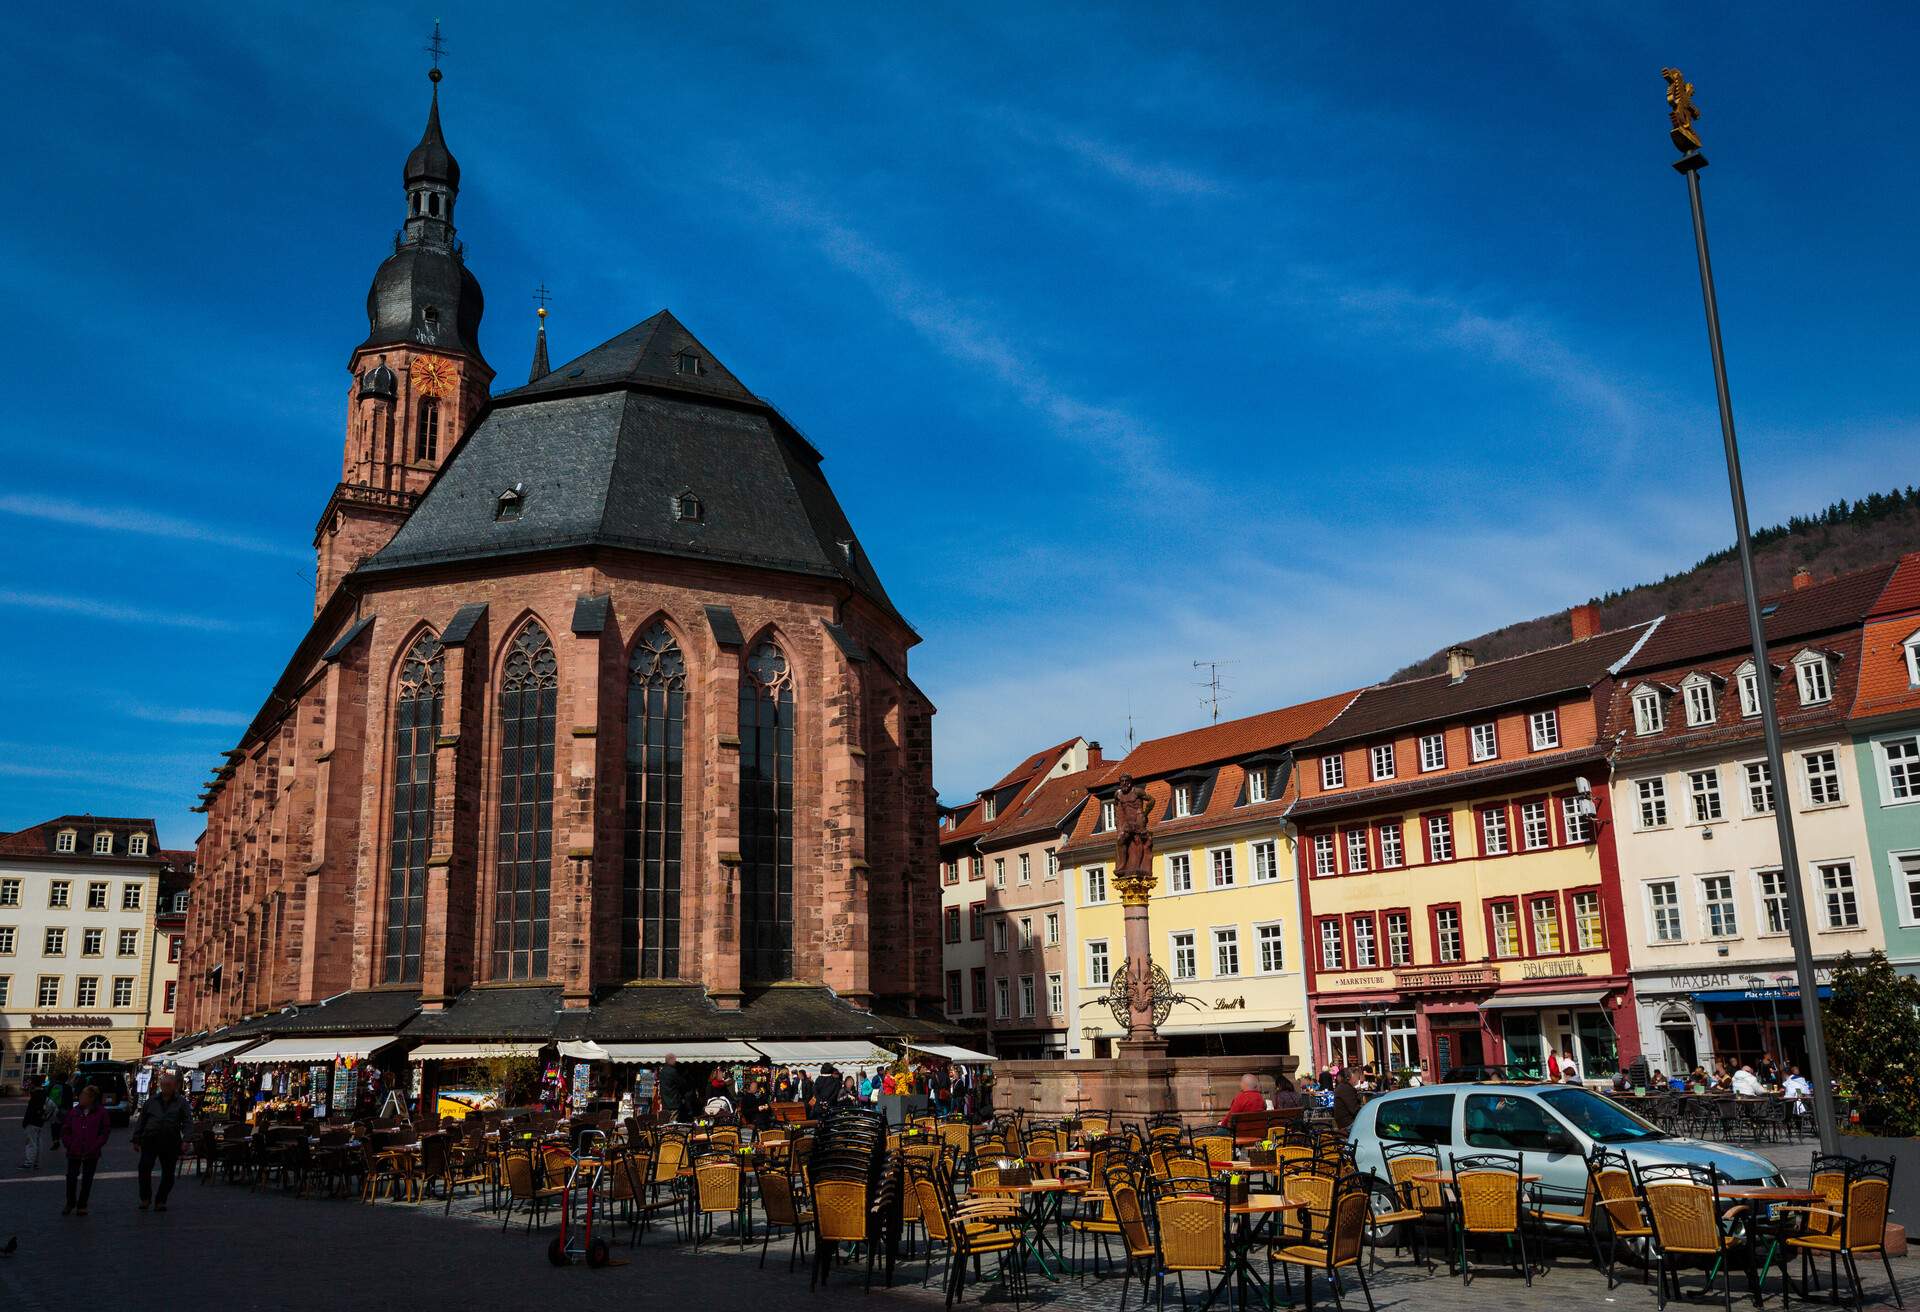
601, 695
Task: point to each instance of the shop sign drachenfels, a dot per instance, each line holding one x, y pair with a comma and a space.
72, 1022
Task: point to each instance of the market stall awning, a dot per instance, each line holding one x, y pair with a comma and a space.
822, 1052
1208, 1024
472, 1051
318, 1047
648, 1054
583, 1050
189, 1059
1530, 1000
951, 1053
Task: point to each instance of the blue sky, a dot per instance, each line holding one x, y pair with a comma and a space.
1307, 338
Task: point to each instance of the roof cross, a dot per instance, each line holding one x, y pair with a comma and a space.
541, 296
436, 47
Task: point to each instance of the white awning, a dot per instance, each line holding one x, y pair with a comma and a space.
1208, 1025
648, 1054
950, 1052
472, 1051
193, 1058
818, 1052
583, 1050
318, 1048
1532, 1000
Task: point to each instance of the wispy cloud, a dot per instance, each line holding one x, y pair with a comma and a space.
127, 519
113, 612
186, 715
968, 336
1118, 162
109, 779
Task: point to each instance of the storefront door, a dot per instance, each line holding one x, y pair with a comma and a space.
1526, 1055
1454, 1047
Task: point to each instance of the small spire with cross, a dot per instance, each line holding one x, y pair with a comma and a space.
540, 370
436, 48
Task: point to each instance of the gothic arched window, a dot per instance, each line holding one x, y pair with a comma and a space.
766, 815
650, 894
523, 862
426, 445
416, 728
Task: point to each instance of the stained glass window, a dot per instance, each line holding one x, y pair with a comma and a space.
656, 720
523, 862
416, 727
766, 815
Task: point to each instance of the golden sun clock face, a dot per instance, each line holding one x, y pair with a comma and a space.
432, 376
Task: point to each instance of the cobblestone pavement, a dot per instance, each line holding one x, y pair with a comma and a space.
264, 1248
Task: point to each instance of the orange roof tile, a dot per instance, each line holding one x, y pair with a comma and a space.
1267, 731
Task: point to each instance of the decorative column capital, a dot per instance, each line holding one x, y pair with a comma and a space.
1135, 887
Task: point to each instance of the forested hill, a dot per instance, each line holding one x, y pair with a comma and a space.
1845, 536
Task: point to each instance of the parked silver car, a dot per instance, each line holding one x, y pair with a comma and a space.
1555, 1127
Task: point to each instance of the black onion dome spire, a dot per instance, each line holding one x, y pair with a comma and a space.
431, 161
423, 294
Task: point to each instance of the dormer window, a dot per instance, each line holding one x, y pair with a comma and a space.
1106, 816
990, 808
1182, 800
510, 504
1256, 784
1815, 678
1647, 717
65, 840
687, 507
137, 845
103, 843
689, 363
1749, 684
1912, 645
1698, 692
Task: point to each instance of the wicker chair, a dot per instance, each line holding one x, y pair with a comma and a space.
1552, 1206
1313, 1183
1214, 1147
1129, 1214
1858, 1225
1486, 1191
839, 1217
1619, 1199
1690, 1226
1192, 1236
719, 1189
523, 1192
967, 1233
1339, 1247
781, 1212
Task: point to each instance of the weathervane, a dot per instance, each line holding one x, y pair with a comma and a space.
436, 48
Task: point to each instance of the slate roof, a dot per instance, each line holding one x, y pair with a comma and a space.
368, 1011
601, 448
1571, 667
1047, 808
526, 1013
1700, 635
970, 818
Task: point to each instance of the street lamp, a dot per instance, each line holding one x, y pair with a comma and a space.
1682, 115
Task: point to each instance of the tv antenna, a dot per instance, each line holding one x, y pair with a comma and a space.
1215, 690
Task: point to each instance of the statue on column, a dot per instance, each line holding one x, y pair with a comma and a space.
1133, 845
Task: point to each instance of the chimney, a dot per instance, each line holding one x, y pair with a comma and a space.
1093, 754
1459, 661
1802, 578
1586, 620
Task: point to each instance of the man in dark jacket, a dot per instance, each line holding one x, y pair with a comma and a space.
1346, 1099
164, 1123
34, 1122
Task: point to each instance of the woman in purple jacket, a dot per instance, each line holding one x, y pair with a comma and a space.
83, 1133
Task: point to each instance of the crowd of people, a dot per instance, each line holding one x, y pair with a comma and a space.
752, 1092
1759, 1079
73, 1120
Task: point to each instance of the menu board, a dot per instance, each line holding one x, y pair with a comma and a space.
643, 1084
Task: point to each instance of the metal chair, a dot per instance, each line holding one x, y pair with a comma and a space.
1487, 1203
1611, 1175
1338, 1248
1690, 1226
1191, 1236
1859, 1226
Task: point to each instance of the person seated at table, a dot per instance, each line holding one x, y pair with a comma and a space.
1700, 1080
1768, 1070
1797, 1087
1746, 1083
1247, 1100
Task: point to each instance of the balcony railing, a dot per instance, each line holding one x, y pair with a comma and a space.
1446, 977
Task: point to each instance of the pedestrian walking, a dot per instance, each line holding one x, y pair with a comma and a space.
34, 1122
164, 1122
83, 1132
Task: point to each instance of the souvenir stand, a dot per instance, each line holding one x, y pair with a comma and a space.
314, 1077
457, 1079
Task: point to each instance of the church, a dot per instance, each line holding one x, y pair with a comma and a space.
603, 728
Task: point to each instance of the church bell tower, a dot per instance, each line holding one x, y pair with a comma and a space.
418, 381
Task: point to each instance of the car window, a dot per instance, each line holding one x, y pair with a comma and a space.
1501, 1120
1600, 1119
1427, 1118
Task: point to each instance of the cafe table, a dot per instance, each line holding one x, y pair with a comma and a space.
1042, 1200
1764, 1222
1253, 1226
